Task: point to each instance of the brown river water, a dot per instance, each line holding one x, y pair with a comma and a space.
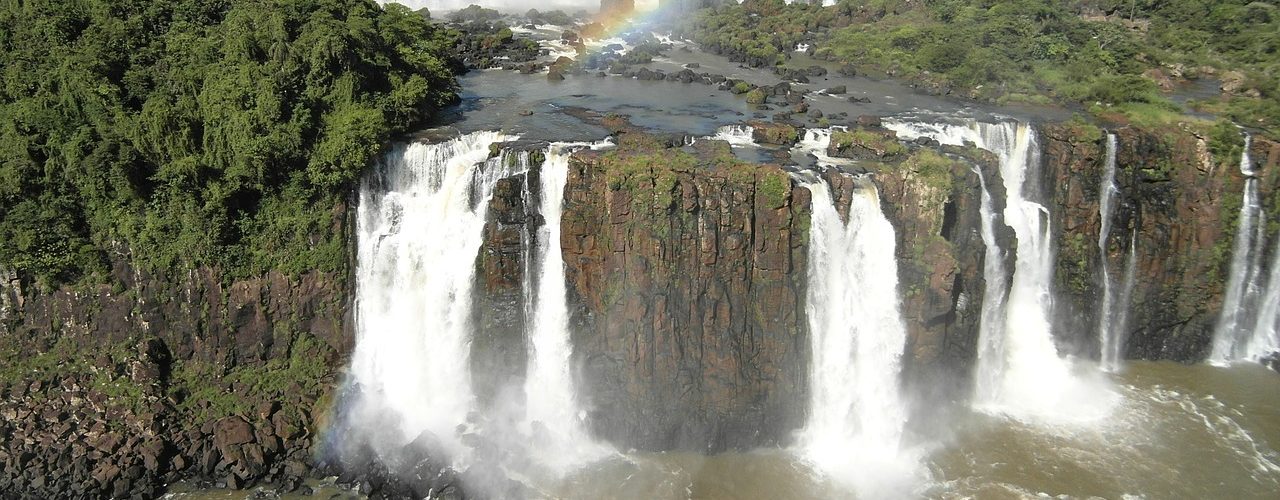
1178, 431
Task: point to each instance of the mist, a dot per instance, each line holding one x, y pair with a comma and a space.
517, 5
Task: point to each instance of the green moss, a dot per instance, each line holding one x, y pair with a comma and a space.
774, 186
756, 96
1083, 129
1225, 142
881, 144
932, 168
1073, 263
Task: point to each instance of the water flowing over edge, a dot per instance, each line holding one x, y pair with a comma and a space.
550, 391
1019, 371
856, 412
1110, 351
419, 228
1246, 329
420, 221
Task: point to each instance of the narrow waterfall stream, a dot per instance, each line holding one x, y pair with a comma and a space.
1246, 326
1265, 340
556, 421
1110, 352
419, 229
1119, 327
1019, 371
857, 416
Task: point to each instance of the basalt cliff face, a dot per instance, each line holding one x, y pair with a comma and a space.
116, 393
1176, 205
686, 273
685, 277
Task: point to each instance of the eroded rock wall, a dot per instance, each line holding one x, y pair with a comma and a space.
1183, 205
686, 284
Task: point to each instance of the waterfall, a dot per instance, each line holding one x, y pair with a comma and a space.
1265, 341
856, 416
1246, 325
1019, 371
815, 143
419, 226
552, 412
736, 135
1110, 353
1119, 327
991, 356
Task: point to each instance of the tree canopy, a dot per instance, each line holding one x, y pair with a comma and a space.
176, 133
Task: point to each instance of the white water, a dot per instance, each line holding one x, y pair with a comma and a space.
1246, 329
419, 227
856, 418
1111, 356
552, 412
1019, 371
815, 143
991, 355
736, 135
1265, 340
1120, 318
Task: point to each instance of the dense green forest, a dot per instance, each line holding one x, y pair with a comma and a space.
180, 133
1093, 52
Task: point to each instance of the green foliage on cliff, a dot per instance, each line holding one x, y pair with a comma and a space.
881, 144
931, 168
774, 187
198, 132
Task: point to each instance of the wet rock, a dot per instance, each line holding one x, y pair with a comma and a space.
837, 90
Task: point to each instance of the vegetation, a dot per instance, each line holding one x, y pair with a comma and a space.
186, 133
876, 143
475, 14
931, 168
553, 17
1110, 55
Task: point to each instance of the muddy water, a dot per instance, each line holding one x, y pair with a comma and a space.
1179, 432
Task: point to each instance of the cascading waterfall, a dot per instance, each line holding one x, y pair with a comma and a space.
736, 135
1265, 341
419, 228
1019, 371
996, 292
552, 412
1110, 353
1246, 325
420, 225
856, 417
815, 143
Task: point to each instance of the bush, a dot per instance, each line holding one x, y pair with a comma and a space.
199, 132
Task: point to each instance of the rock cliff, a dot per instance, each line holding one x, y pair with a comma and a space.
686, 278
1182, 204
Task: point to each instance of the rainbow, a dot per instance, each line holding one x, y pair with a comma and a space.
614, 23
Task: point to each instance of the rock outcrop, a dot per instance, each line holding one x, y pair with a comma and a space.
115, 393
933, 200
686, 278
